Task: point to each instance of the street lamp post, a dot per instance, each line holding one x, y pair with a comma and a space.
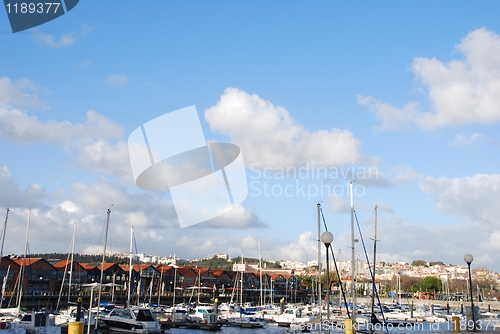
468, 259
327, 238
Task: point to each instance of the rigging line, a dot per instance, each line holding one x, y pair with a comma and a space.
337, 271
371, 273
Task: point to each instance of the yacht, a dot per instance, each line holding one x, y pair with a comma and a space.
293, 316
132, 319
38, 323
70, 314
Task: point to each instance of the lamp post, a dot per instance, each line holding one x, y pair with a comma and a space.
468, 259
327, 238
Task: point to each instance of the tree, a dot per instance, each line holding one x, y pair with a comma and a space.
408, 281
441, 263
429, 283
421, 263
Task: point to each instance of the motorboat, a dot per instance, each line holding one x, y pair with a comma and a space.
292, 316
246, 322
203, 317
70, 314
132, 319
245, 319
38, 323
201, 313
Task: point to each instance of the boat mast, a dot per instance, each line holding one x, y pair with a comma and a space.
241, 285
130, 266
4, 283
319, 261
21, 281
353, 260
102, 268
199, 287
160, 285
260, 278
4, 231
71, 263
175, 281
374, 259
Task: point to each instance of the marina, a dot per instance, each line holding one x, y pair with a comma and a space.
114, 308
240, 166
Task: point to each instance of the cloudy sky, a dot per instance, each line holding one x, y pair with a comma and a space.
402, 98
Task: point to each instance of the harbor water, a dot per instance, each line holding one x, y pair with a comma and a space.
421, 327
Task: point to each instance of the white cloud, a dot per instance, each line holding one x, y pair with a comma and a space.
69, 207
249, 241
92, 142
269, 136
404, 175
370, 177
117, 80
392, 118
18, 126
461, 91
82, 64
401, 240
492, 243
238, 217
14, 195
384, 207
302, 250
157, 230
136, 219
338, 204
89, 140
22, 93
101, 156
465, 140
472, 198
45, 39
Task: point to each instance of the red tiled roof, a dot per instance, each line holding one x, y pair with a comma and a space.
106, 266
126, 268
202, 270
219, 272
90, 266
28, 262
163, 268
143, 266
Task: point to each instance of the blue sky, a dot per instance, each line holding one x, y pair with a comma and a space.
406, 89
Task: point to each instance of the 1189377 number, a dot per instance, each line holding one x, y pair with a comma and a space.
32, 8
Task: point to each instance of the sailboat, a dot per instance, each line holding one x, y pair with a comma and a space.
243, 318
33, 322
130, 318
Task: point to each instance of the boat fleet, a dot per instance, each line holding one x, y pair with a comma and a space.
150, 319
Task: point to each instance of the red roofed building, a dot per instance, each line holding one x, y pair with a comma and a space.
223, 278
7, 264
113, 273
39, 276
186, 277
75, 269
